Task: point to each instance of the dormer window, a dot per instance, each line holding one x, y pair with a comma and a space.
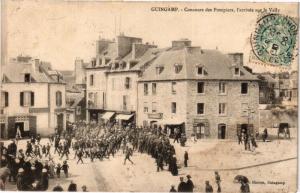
123, 65
201, 70
93, 63
236, 71
27, 77
177, 68
159, 69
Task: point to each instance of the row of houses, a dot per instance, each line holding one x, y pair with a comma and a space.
199, 91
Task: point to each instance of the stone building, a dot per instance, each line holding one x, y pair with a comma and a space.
112, 78
32, 98
201, 92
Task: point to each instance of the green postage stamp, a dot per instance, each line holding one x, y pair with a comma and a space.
274, 39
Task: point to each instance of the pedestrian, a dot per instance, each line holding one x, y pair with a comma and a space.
72, 187
189, 184
253, 143
218, 181
265, 135
58, 168
159, 162
173, 189
245, 187
127, 156
208, 187
186, 158
174, 168
58, 188
181, 185
65, 167
79, 155
21, 180
44, 183
84, 189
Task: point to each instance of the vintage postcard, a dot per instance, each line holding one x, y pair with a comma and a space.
149, 96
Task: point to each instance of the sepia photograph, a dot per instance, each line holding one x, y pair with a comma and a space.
111, 96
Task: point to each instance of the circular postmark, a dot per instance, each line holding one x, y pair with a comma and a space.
274, 39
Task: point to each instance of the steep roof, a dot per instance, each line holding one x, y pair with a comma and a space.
14, 72
217, 65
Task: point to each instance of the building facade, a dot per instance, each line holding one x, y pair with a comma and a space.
32, 99
200, 92
112, 79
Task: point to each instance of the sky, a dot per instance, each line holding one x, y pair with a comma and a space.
61, 31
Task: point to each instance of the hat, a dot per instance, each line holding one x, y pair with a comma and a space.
188, 176
44, 170
21, 170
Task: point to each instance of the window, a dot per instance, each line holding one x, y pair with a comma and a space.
236, 71
200, 70
200, 108
159, 69
26, 99
91, 80
93, 62
4, 99
222, 108
173, 87
154, 110
146, 107
145, 89
173, 107
127, 82
27, 77
177, 68
244, 88
200, 87
222, 87
58, 98
153, 88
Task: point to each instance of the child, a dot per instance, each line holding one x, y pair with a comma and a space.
58, 168
65, 167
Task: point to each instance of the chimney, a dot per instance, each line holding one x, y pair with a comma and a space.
181, 43
101, 45
236, 58
124, 44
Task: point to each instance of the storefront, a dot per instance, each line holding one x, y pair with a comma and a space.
201, 128
125, 119
171, 126
26, 124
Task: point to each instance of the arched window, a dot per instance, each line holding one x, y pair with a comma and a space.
58, 98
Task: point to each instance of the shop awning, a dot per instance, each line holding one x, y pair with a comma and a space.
123, 117
107, 115
171, 122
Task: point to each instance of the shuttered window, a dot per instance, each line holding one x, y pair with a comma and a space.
4, 99
58, 98
26, 98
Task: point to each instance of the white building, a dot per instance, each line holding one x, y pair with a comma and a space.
32, 98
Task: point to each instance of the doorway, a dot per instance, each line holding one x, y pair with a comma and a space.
19, 126
221, 131
60, 122
244, 128
200, 130
2, 127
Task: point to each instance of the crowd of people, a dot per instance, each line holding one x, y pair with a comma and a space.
31, 169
